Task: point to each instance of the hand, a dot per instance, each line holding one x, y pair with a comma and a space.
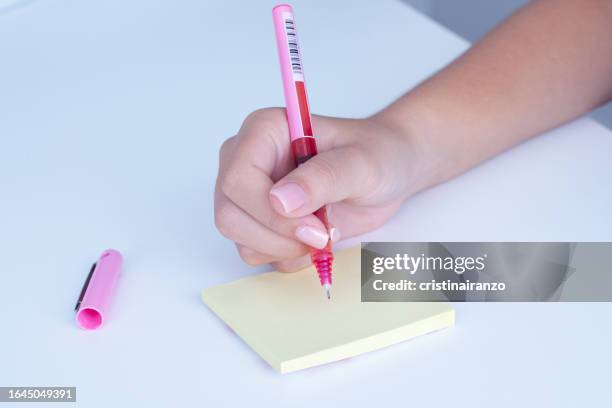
364, 171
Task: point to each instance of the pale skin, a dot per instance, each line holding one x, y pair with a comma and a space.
545, 65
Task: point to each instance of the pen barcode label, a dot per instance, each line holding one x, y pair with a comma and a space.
294, 51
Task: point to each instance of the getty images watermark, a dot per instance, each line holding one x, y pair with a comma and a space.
486, 271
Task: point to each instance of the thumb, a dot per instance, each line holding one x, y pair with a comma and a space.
328, 177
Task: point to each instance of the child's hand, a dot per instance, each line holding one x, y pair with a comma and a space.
364, 169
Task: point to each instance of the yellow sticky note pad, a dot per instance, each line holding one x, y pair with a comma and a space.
288, 321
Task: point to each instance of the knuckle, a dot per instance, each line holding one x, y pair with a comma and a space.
264, 115
230, 181
282, 266
267, 121
249, 256
291, 265
225, 148
262, 135
225, 216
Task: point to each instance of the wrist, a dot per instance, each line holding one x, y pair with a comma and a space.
415, 125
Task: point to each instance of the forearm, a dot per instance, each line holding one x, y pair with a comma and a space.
547, 64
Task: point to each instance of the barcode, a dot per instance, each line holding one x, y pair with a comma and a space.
294, 52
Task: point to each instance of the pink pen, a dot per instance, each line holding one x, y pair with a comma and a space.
98, 290
303, 143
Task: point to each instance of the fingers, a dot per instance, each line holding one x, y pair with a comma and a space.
329, 177
281, 264
250, 193
249, 165
292, 265
252, 257
263, 141
243, 229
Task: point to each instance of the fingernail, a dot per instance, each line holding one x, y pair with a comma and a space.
334, 234
288, 197
312, 236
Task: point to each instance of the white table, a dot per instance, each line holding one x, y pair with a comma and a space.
111, 115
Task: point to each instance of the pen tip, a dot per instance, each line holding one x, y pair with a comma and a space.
327, 288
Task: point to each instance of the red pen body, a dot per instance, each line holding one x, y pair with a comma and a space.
303, 143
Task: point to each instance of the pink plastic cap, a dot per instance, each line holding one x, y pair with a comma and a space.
97, 297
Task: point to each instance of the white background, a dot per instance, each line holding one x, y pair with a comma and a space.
111, 116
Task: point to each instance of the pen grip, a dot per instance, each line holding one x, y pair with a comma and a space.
323, 258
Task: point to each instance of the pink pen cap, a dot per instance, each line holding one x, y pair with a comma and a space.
98, 290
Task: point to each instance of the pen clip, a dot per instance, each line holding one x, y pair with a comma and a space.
85, 285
